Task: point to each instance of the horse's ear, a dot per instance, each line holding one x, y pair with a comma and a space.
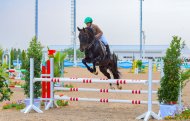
79, 29
83, 29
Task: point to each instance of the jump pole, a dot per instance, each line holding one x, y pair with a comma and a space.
103, 90
92, 80
95, 80
102, 100
150, 113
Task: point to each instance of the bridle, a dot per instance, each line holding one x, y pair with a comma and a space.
88, 37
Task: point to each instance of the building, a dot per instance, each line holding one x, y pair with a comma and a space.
150, 51
132, 51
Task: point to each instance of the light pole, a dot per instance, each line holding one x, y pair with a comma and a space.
36, 19
141, 11
73, 29
144, 39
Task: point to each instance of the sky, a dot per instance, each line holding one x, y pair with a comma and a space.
118, 19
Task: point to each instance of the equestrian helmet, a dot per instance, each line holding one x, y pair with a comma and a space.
88, 20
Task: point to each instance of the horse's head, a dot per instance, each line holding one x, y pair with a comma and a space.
86, 36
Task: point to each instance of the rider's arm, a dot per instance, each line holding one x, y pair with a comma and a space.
99, 32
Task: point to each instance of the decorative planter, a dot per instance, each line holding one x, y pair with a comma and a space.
51, 52
172, 103
136, 70
37, 102
168, 110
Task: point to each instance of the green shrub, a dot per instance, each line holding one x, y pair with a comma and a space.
17, 105
34, 51
20, 106
7, 106
69, 86
62, 103
170, 82
5, 91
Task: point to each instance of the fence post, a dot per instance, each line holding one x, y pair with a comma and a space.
149, 113
150, 86
31, 106
51, 102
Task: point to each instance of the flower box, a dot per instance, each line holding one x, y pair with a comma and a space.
37, 102
168, 110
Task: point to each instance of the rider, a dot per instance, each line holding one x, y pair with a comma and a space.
98, 33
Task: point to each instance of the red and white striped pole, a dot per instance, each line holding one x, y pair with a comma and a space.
50, 86
103, 90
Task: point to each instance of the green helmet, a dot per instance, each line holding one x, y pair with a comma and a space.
88, 20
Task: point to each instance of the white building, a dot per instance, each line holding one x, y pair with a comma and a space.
132, 51
151, 51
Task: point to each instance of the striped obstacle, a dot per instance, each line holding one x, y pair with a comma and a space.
16, 70
103, 90
53, 97
16, 86
95, 80
102, 100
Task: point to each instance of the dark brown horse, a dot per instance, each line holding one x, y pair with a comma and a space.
95, 53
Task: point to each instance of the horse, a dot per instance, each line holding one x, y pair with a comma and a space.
95, 53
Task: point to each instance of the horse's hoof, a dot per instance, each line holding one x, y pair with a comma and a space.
119, 87
113, 88
95, 73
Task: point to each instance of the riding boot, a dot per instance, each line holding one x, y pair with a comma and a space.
108, 51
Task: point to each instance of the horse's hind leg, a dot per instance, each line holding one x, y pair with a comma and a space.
94, 69
116, 76
104, 71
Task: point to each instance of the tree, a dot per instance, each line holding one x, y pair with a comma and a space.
70, 53
170, 83
80, 54
23, 59
1, 54
34, 51
15, 54
12, 56
19, 54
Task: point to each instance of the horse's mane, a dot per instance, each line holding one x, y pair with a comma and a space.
90, 30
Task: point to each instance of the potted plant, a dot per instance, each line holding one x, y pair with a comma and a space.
139, 65
58, 63
34, 51
59, 58
170, 83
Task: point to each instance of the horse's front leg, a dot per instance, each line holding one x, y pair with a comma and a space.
88, 67
94, 68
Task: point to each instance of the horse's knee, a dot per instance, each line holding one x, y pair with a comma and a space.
83, 61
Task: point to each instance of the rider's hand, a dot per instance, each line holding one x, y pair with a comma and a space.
96, 36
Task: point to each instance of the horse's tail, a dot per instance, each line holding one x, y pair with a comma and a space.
115, 65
